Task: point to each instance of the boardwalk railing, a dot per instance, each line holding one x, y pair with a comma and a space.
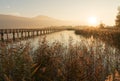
6, 34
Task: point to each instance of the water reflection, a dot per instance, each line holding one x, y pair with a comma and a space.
64, 37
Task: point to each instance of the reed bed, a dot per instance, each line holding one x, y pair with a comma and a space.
56, 62
110, 36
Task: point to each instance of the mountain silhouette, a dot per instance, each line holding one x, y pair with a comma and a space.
14, 22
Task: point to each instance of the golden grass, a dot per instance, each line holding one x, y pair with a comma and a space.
54, 63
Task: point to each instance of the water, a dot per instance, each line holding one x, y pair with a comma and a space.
65, 37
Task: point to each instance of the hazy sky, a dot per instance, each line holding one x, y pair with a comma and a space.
79, 10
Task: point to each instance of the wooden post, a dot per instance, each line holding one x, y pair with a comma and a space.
46, 31
2, 36
6, 31
43, 32
7, 35
28, 33
49, 30
40, 32
21, 34
25, 34
17, 33
13, 35
33, 33
37, 33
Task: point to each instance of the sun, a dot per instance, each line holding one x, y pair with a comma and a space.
92, 20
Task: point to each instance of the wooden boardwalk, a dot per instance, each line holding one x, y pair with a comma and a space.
13, 34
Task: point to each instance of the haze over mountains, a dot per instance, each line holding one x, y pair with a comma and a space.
9, 21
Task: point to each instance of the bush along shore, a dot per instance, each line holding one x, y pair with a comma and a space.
108, 35
56, 62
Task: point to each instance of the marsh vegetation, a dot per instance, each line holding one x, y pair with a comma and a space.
84, 60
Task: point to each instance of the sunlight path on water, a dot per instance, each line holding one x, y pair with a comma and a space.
65, 37
62, 37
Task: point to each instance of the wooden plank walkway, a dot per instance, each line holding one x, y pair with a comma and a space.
13, 34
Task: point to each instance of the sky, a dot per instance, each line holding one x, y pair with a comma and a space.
75, 10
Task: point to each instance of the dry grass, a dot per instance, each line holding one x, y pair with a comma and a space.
110, 36
55, 63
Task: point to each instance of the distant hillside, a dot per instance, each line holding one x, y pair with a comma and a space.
8, 21
42, 17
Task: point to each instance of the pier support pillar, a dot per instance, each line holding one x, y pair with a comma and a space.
2, 37
37, 33
25, 34
18, 35
7, 36
13, 36
21, 34
33, 33
28, 34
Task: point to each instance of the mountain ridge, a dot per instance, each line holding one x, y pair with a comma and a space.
11, 21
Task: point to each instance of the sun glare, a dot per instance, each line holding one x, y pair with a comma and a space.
92, 20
